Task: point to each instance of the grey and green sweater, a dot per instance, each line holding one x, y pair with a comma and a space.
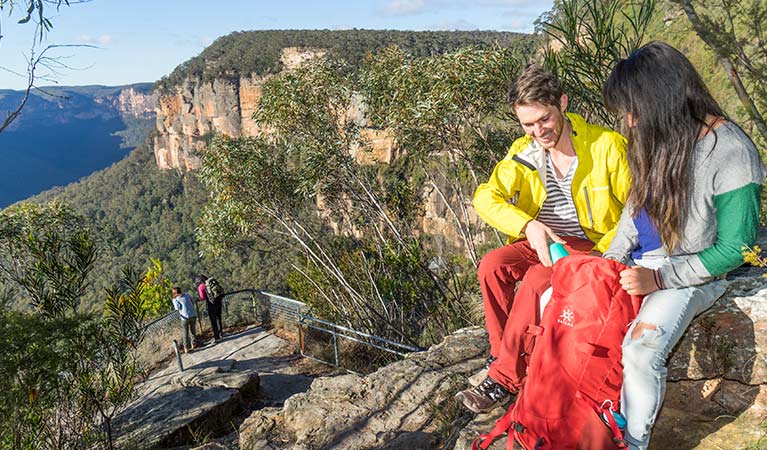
723, 215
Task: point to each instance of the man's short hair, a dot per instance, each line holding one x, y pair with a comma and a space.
535, 85
176, 290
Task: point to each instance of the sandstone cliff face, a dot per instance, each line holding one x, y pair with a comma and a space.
130, 102
187, 116
195, 110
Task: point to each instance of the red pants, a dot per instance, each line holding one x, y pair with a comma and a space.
507, 319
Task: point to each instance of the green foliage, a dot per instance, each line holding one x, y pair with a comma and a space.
249, 182
450, 102
157, 289
136, 130
48, 251
241, 54
31, 390
307, 108
389, 291
589, 36
63, 374
373, 272
450, 115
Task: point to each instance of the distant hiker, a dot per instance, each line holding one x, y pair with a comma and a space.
211, 292
182, 303
565, 181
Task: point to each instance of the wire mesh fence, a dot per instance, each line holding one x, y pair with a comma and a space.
319, 340
158, 336
239, 308
343, 347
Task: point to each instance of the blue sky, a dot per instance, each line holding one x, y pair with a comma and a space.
142, 40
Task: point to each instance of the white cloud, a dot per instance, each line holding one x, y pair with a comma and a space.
404, 7
104, 39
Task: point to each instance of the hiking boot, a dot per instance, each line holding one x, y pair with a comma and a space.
480, 376
484, 397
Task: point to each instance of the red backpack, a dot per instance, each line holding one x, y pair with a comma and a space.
575, 373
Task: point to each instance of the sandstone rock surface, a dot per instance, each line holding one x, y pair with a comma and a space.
400, 406
176, 408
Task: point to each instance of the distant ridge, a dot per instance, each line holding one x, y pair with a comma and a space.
93, 90
243, 53
67, 132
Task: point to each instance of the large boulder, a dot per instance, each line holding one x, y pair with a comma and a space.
186, 408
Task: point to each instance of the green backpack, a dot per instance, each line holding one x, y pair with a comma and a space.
213, 289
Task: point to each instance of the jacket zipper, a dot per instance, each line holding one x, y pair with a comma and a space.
588, 205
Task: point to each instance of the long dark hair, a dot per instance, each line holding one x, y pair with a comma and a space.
669, 103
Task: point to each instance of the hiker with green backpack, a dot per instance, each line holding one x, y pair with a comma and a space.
212, 293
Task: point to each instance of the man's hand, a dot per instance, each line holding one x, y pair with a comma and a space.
638, 281
538, 235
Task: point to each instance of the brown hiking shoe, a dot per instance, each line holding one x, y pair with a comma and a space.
484, 397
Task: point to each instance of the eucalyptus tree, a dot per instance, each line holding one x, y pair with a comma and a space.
736, 30
449, 115
374, 271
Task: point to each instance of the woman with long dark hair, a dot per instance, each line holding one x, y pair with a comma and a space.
693, 206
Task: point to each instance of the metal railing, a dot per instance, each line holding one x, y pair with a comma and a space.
337, 332
283, 308
245, 307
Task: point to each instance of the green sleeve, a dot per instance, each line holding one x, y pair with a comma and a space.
737, 219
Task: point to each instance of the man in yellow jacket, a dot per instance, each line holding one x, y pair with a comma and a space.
565, 181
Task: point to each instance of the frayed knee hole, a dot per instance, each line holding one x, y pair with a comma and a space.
639, 328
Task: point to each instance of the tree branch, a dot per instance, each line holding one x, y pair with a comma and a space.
732, 74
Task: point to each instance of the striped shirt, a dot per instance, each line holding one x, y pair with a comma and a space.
558, 210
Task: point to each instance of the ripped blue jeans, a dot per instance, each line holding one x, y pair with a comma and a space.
670, 311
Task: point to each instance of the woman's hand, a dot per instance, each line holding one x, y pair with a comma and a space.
638, 281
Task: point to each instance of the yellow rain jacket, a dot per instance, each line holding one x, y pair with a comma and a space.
516, 190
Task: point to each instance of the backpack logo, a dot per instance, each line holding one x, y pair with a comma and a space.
567, 317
